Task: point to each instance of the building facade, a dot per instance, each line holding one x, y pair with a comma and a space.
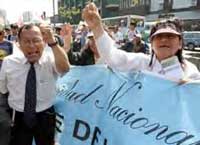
187, 10
153, 10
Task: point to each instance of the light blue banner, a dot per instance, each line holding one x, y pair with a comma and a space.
97, 106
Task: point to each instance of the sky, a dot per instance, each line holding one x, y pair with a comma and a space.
15, 8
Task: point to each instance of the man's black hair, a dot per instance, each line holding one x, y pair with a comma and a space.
24, 27
133, 24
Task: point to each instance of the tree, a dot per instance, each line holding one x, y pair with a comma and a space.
135, 2
69, 15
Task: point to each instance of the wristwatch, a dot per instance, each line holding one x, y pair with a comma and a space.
53, 44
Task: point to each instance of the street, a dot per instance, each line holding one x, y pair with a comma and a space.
193, 56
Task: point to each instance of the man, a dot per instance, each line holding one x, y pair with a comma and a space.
84, 31
132, 31
6, 48
136, 45
30, 79
166, 43
14, 30
123, 29
7, 31
118, 36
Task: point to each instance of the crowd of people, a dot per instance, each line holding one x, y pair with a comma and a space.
33, 56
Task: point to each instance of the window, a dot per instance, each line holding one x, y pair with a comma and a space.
193, 2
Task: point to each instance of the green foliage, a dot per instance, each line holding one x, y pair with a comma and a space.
70, 15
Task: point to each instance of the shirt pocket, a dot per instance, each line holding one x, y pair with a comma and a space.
45, 75
45, 78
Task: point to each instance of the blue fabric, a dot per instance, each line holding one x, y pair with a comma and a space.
98, 106
6, 48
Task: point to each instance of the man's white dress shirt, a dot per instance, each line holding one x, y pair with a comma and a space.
13, 80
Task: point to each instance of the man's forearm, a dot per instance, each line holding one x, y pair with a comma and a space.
61, 59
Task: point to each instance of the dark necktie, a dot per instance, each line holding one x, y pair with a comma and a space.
30, 98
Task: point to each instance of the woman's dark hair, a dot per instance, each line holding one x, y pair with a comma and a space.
175, 24
26, 27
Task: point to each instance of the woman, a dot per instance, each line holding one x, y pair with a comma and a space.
166, 43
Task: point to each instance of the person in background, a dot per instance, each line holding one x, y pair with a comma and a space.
132, 31
139, 45
91, 47
166, 59
80, 36
57, 35
6, 48
14, 31
84, 31
123, 29
58, 30
88, 54
30, 79
136, 45
118, 36
7, 32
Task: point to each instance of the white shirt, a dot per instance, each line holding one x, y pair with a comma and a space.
123, 61
124, 31
131, 34
118, 36
13, 80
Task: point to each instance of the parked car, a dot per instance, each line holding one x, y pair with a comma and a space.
191, 39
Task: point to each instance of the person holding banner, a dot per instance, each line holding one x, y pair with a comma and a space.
166, 59
30, 78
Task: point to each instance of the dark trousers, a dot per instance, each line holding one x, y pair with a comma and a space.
43, 132
5, 121
5, 127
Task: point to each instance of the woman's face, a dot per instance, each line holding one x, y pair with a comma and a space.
166, 45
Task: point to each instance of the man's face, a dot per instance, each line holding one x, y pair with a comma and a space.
166, 45
14, 30
132, 27
32, 44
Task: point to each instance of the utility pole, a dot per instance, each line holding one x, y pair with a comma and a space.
101, 7
54, 13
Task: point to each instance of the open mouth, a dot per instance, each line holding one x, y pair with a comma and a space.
164, 46
32, 54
